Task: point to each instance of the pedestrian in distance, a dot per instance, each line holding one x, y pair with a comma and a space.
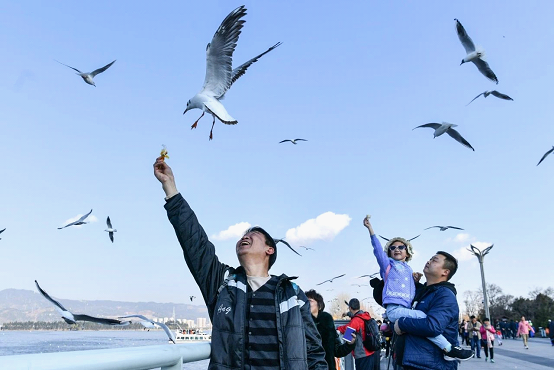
260, 321
487, 338
523, 330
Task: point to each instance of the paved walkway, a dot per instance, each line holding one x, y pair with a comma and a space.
512, 355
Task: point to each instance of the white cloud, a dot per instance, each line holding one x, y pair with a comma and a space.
90, 219
462, 237
324, 227
463, 254
233, 232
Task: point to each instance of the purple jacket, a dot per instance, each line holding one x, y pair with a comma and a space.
399, 284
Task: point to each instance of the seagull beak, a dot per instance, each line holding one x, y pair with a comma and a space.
462, 62
186, 110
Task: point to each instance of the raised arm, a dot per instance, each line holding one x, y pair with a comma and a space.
198, 251
380, 255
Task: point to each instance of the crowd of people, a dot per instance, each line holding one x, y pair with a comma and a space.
264, 321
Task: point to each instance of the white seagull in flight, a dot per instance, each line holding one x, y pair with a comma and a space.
494, 93
71, 318
331, 280
110, 229
447, 127
542, 159
292, 141
80, 221
169, 333
474, 55
220, 75
88, 77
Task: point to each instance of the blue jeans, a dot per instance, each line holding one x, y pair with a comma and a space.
476, 345
396, 311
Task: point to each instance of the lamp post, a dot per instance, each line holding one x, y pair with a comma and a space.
480, 256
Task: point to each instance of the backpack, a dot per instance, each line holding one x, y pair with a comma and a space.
378, 285
372, 340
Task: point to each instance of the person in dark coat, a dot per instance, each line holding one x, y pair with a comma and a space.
260, 321
326, 328
551, 331
437, 299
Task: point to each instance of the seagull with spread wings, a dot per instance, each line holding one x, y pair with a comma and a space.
415, 237
493, 93
306, 248
447, 127
287, 244
1, 231
443, 228
88, 77
294, 141
220, 75
169, 333
80, 221
473, 54
110, 229
331, 280
542, 159
72, 318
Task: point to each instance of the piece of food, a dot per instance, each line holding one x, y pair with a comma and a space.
163, 153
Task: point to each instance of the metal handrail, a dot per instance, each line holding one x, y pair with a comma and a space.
168, 357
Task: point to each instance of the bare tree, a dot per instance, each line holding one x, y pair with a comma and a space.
473, 302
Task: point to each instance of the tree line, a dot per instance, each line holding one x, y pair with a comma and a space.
538, 307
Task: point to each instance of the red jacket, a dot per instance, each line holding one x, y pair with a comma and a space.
357, 323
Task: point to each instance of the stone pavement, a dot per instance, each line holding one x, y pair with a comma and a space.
511, 355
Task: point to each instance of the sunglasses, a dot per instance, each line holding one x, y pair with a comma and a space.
400, 247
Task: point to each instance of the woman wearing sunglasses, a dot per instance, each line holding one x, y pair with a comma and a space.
399, 290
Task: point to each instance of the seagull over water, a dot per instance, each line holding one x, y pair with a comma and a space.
110, 229
443, 228
331, 280
88, 77
169, 333
292, 141
1, 231
474, 55
447, 127
71, 318
494, 93
220, 75
542, 159
80, 221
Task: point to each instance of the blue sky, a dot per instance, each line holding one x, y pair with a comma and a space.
352, 80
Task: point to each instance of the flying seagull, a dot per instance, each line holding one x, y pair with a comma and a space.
359, 285
71, 318
447, 127
331, 280
1, 231
415, 237
443, 228
219, 73
88, 77
474, 55
169, 333
80, 221
192, 297
542, 159
494, 93
287, 244
375, 274
306, 248
292, 141
110, 229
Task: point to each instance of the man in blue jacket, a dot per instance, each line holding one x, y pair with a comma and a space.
260, 321
437, 298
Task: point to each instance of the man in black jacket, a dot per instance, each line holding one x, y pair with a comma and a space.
260, 321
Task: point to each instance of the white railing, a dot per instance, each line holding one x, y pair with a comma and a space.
168, 357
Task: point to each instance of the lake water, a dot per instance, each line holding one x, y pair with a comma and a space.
25, 342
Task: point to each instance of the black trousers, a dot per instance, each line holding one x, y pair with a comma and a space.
487, 349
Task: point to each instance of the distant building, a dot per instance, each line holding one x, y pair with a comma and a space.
201, 322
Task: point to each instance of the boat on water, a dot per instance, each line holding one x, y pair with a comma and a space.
191, 335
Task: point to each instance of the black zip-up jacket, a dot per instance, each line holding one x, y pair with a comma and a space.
224, 291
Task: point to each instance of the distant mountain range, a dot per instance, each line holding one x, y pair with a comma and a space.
27, 305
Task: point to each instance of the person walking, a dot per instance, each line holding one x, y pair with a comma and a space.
523, 329
260, 321
473, 328
487, 338
551, 331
